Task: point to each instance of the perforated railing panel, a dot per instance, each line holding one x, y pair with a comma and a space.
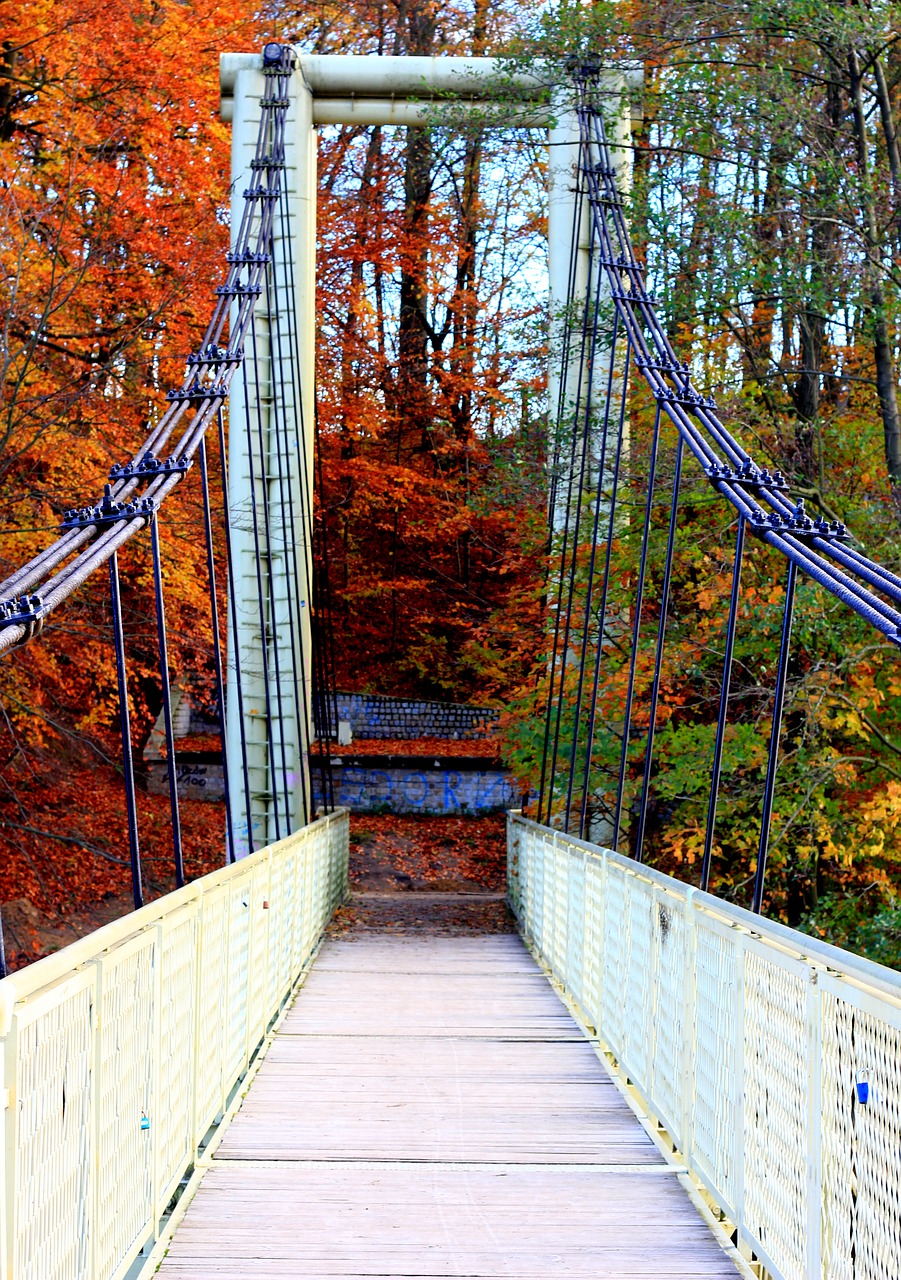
125, 1114
666, 1040
776, 1110
773, 1060
52, 1046
212, 994
120, 1051
173, 1111
861, 1140
714, 1093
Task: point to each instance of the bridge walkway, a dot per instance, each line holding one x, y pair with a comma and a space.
430, 1108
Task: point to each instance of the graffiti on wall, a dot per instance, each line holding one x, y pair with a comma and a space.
362, 788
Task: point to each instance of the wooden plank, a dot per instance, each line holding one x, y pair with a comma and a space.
429, 1108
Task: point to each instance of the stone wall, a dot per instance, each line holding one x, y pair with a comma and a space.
372, 715
446, 786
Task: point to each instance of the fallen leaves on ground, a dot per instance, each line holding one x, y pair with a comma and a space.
407, 851
68, 855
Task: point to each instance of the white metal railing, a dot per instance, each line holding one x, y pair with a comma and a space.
773, 1060
120, 1051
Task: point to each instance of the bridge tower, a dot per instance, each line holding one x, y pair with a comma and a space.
272, 408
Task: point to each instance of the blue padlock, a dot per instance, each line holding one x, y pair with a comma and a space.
145, 1122
862, 1085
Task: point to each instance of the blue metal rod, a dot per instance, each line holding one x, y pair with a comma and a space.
236, 645
602, 612
773, 755
551, 708
636, 631
658, 659
270, 790
303, 581
297, 678
171, 774
265, 462
598, 502
716, 770
125, 727
230, 853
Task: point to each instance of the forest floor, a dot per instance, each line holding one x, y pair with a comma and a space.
433, 875
406, 872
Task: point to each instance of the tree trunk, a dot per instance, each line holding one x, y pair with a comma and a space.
413, 407
882, 347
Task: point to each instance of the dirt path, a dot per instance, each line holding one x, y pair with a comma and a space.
426, 875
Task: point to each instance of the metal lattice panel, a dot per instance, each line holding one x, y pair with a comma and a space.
861, 1057
559, 904
776, 1110
238, 974
575, 929
715, 1091
176, 1042
212, 989
639, 992
593, 933
257, 1018
667, 1028
745, 1039
125, 1103
54, 1134
117, 1060
616, 949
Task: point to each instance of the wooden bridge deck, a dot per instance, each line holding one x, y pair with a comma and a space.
429, 1108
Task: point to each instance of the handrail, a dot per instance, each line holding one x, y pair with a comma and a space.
771, 1059
121, 1051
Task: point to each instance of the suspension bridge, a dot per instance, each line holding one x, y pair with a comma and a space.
650, 1080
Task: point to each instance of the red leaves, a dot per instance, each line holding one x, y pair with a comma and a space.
391, 851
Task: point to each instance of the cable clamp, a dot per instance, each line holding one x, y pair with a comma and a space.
198, 392
237, 289
686, 399
800, 525
247, 258
215, 357
260, 192
107, 511
150, 467
27, 611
